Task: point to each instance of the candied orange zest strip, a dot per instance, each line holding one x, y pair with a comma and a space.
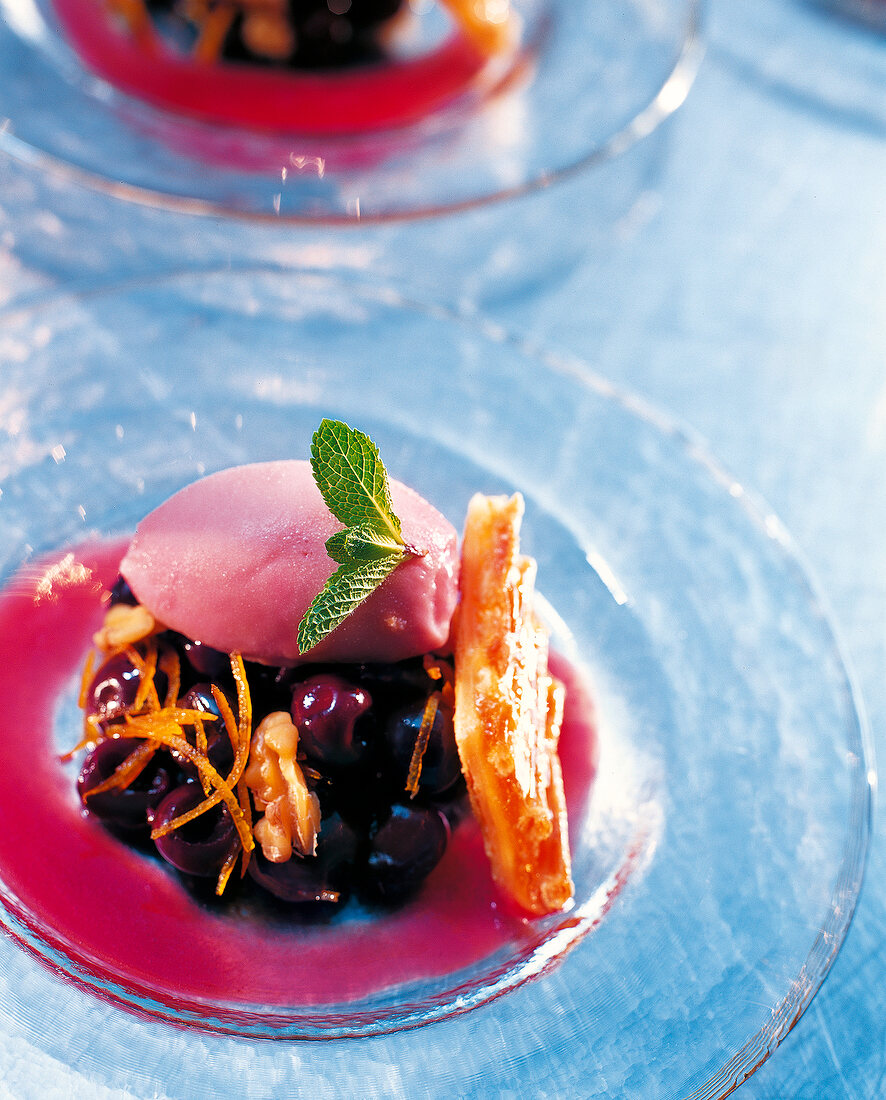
448, 695
152, 696
201, 744
133, 654
421, 743
160, 727
171, 667
92, 733
244, 700
438, 668
146, 666
213, 28
191, 815
128, 771
240, 744
86, 680
231, 727
491, 25
231, 781
225, 872
200, 735
246, 807
239, 735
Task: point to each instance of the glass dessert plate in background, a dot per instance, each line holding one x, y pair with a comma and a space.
588, 79
719, 852
829, 53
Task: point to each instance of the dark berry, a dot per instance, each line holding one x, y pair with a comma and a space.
122, 593
326, 33
362, 794
113, 688
126, 808
218, 744
201, 846
324, 877
440, 766
269, 689
206, 662
393, 686
404, 851
327, 711
368, 13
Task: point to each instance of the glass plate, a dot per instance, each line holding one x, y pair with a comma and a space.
720, 852
829, 53
594, 76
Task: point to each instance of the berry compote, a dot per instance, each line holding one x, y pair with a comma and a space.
88, 884
356, 737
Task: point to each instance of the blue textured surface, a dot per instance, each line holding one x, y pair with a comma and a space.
740, 285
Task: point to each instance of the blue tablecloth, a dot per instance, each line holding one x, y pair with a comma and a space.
743, 291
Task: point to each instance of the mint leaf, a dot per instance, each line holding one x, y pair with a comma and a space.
352, 479
363, 543
354, 484
345, 590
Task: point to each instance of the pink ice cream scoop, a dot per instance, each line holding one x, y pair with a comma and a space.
235, 559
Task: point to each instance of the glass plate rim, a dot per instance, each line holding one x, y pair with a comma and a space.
667, 99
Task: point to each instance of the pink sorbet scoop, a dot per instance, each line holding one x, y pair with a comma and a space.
235, 559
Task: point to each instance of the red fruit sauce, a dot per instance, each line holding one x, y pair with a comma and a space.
123, 917
371, 97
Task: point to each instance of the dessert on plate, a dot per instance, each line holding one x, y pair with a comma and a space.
306, 66
301, 681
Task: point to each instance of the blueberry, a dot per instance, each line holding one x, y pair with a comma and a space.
127, 808
394, 686
322, 878
440, 767
269, 689
207, 663
404, 851
201, 846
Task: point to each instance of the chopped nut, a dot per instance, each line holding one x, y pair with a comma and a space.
291, 812
124, 625
268, 34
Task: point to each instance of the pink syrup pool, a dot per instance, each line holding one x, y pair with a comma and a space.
123, 917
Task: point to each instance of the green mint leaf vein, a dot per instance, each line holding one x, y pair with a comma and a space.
354, 485
352, 478
345, 590
363, 543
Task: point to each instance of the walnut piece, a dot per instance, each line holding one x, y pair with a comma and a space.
291, 812
124, 625
268, 34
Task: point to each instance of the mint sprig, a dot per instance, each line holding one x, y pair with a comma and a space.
353, 482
